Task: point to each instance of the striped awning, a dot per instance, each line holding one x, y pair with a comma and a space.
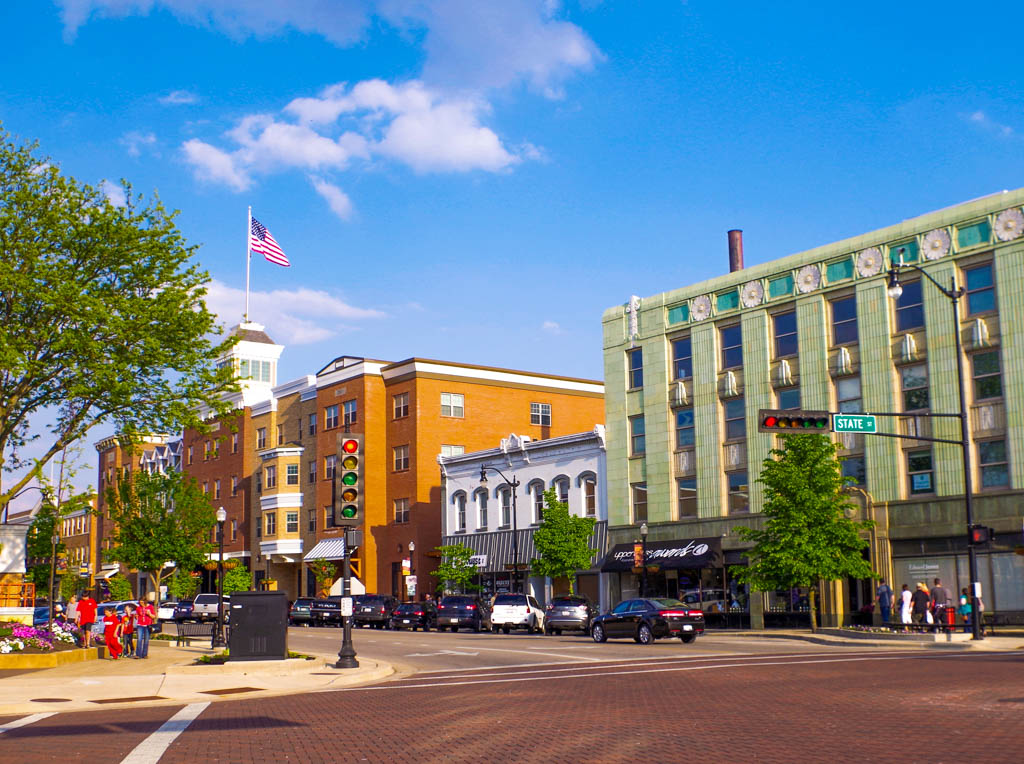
497, 547
328, 549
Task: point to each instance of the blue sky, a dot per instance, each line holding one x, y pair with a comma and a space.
478, 181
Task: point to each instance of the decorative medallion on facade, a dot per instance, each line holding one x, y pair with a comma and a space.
752, 294
935, 244
1009, 224
634, 317
808, 279
869, 262
701, 307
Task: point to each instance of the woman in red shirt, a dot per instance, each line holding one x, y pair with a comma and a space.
112, 633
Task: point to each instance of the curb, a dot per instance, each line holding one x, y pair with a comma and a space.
285, 667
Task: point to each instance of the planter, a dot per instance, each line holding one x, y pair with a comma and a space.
210, 565
24, 661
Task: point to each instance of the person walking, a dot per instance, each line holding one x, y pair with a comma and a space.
128, 631
941, 599
905, 599
920, 604
112, 633
964, 609
145, 617
86, 618
72, 609
883, 596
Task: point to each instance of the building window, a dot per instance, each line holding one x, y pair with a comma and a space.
460, 512
329, 517
234, 485
854, 467
848, 395
312, 424
540, 413
994, 469
254, 369
271, 476
188, 459
682, 358
562, 490
919, 467
234, 442
686, 492
453, 450
206, 488
785, 334
635, 367
988, 381
280, 434
291, 522
298, 427
261, 438
259, 481
739, 495
639, 500
206, 451
506, 507
481, 505
401, 458
537, 494
981, 293
453, 404
914, 383
590, 497
216, 488
401, 405
844, 321
735, 419
789, 398
271, 520
684, 428
312, 471
259, 529
234, 530
330, 417
311, 521
349, 415
637, 443
909, 308
292, 474
732, 346
401, 510
329, 461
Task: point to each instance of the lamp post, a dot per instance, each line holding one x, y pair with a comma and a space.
412, 571
513, 484
954, 293
643, 573
217, 640
54, 540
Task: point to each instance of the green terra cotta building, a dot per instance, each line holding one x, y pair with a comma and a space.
687, 370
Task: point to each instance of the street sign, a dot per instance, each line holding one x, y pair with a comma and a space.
864, 423
346, 606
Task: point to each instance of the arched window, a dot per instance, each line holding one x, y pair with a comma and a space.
536, 491
459, 500
587, 481
561, 486
481, 504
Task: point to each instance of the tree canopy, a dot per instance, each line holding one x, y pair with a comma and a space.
562, 541
102, 315
455, 571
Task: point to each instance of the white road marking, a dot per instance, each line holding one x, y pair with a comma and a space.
153, 747
442, 652
25, 720
537, 652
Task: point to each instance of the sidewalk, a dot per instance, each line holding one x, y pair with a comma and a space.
837, 637
167, 677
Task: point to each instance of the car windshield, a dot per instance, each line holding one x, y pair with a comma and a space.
510, 599
302, 603
668, 602
458, 601
568, 601
373, 601
409, 607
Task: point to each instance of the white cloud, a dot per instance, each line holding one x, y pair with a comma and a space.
114, 192
986, 122
178, 97
337, 199
551, 327
266, 141
134, 141
212, 164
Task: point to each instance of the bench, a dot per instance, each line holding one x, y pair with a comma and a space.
991, 620
189, 631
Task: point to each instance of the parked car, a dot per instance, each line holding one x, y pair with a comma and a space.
327, 611
204, 607
457, 610
414, 615
570, 612
374, 610
516, 611
41, 615
708, 600
648, 619
183, 611
101, 611
300, 613
165, 611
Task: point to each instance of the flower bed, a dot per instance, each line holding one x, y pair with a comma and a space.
18, 638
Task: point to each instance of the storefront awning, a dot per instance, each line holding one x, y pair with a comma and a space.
667, 555
495, 551
328, 549
107, 573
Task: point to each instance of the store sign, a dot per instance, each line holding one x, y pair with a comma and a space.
478, 560
677, 554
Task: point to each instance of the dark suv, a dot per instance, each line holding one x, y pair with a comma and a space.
571, 612
374, 610
457, 610
300, 613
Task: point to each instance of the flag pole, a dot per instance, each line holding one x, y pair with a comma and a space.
248, 260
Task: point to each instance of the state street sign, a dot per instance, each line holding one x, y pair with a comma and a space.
854, 423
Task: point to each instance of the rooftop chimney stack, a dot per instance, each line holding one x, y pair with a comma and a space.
735, 250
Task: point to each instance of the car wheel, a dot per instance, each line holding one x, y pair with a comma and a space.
688, 638
494, 628
476, 627
644, 635
558, 632
505, 629
598, 633
454, 629
426, 627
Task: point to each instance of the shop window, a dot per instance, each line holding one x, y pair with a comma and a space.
909, 308
684, 428
914, 383
732, 346
637, 442
981, 293
635, 367
921, 474
785, 334
848, 395
739, 492
735, 419
988, 378
639, 500
682, 358
994, 468
844, 321
686, 491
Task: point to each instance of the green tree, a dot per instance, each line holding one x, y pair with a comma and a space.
183, 585
238, 579
455, 571
120, 588
71, 583
158, 518
562, 541
102, 316
40, 545
807, 537
324, 572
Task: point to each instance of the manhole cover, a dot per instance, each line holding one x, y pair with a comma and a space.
129, 700
231, 690
51, 700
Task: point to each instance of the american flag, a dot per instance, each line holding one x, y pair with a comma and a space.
260, 240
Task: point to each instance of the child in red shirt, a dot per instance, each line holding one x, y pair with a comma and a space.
128, 631
112, 633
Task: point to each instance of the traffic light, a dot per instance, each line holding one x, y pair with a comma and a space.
782, 422
981, 534
348, 482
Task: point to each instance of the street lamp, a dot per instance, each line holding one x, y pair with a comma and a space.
412, 569
954, 293
643, 573
217, 640
513, 484
54, 540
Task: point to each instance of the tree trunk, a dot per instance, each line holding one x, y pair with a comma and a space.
812, 596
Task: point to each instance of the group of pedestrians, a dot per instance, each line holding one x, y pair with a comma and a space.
125, 635
924, 608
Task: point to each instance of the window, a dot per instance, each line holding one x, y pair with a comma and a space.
349, 412
844, 321
637, 444
682, 358
188, 460
732, 347
329, 517
914, 383
292, 474
234, 442
312, 424
280, 434
506, 507
270, 518
206, 451
639, 499
259, 481
401, 404
919, 467
460, 512
684, 428
848, 395
234, 530
216, 488
312, 471
453, 450
329, 461
253, 369
234, 485
330, 417
909, 309
785, 334
311, 521
453, 404
686, 491
981, 294
270, 478
739, 497
590, 497
540, 413
789, 398
401, 458
735, 419
988, 381
635, 367
854, 467
401, 510
298, 424
481, 505
291, 521
206, 488
994, 470
562, 490
261, 437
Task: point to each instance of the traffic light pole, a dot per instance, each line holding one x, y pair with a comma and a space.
347, 653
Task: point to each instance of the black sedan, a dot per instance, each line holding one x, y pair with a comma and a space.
414, 615
569, 612
183, 611
648, 619
457, 610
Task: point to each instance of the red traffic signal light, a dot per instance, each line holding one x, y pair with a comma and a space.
981, 534
348, 482
777, 421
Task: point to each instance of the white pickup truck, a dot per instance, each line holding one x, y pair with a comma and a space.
204, 607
